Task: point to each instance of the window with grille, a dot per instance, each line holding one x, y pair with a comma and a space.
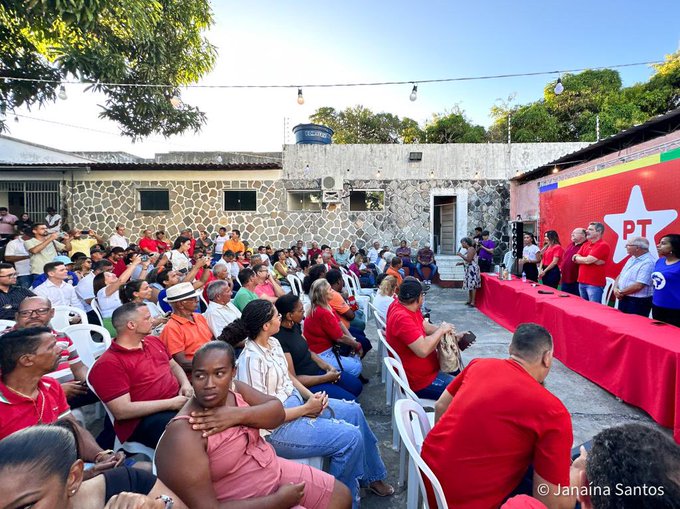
154, 200
236, 201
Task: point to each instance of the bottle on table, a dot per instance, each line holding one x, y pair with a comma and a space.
524, 277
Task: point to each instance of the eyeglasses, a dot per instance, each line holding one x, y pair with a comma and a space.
29, 312
13, 274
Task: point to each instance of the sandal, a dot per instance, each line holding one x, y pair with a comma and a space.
387, 490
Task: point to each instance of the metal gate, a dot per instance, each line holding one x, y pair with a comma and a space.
32, 197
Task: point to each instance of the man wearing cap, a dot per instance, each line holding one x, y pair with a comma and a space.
58, 290
72, 276
415, 340
425, 258
137, 379
186, 331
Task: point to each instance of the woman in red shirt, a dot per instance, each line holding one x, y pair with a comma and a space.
325, 332
553, 253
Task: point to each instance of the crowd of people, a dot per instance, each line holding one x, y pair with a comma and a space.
218, 365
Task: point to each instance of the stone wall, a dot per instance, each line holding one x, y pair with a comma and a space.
101, 204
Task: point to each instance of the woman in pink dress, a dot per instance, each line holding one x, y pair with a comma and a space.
212, 452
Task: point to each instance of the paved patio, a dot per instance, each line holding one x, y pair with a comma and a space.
592, 408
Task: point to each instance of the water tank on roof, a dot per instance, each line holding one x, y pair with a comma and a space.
313, 134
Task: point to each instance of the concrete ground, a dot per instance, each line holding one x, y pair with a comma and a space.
592, 408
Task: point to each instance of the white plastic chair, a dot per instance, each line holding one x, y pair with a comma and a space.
412, 423
97, 311
608, 291
387, 351
129, 446
88, 350
6, 324
295, 284
402, 390
60, 321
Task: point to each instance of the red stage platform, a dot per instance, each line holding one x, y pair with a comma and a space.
628, 355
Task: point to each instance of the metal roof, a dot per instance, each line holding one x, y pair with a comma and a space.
147, 166
653, 128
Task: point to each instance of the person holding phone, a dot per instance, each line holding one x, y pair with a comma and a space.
83, 240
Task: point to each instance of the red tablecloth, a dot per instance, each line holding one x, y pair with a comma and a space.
625, 354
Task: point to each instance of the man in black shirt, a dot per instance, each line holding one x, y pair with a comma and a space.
11, 295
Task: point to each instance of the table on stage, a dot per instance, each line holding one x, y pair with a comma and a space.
628, 355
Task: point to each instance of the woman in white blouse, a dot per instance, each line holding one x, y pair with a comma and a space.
178, 256
309, 429
531, 256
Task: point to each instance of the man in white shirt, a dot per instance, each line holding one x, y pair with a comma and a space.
374, 253
220, 239
16, 253
118, 239
53, 220
57, 289
221, 311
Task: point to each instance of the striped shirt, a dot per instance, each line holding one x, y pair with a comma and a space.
265, 369
638, 270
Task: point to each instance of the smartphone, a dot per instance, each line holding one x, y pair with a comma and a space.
469, 337
145, 258
85, 232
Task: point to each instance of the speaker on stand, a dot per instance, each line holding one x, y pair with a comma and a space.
517, 229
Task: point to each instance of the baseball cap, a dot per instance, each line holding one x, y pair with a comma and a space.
63, 259
410, 288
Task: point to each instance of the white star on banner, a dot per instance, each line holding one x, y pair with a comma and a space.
637, 221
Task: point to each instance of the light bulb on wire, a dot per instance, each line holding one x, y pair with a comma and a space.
300, 99
414, 93
559, 88
62, 93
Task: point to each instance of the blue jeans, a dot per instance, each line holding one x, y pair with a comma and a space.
346, 439
591, 292
351, 364
347, 387
432, 266
437, 387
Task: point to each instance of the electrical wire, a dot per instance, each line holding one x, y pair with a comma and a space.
338, 85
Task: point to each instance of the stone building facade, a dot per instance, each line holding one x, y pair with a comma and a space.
105, 190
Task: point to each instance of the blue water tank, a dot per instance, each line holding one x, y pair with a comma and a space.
313, 134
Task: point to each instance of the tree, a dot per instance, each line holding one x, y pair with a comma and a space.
360, 125
453, 127
113, 45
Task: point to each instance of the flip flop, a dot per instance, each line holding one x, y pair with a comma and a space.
378, 493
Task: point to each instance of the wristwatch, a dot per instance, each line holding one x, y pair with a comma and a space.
169, 502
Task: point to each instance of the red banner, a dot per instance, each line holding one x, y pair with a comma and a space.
638, 203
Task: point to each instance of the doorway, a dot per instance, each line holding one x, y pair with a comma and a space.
444, 225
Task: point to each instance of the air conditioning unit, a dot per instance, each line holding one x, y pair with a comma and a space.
332, 196
331, 188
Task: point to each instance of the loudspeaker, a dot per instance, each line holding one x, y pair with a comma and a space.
518, 238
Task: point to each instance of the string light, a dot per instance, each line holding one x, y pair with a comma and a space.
414, 93
62, 93
333, 85
559, 88
555, 170
431, 174
300, 99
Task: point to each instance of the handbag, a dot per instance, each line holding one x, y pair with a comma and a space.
337, 351
450, 359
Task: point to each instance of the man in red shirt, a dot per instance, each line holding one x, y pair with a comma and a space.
28, 397
137, 379
569, 269
494, 421
592, 259
415, 340
148, 244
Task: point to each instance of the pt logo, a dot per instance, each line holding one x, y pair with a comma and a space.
637, 221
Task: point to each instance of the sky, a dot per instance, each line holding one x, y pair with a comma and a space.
265, 42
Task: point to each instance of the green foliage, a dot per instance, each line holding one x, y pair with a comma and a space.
360, 125
453, 127
105, 41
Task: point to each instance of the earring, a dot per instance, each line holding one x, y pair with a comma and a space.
73, 492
